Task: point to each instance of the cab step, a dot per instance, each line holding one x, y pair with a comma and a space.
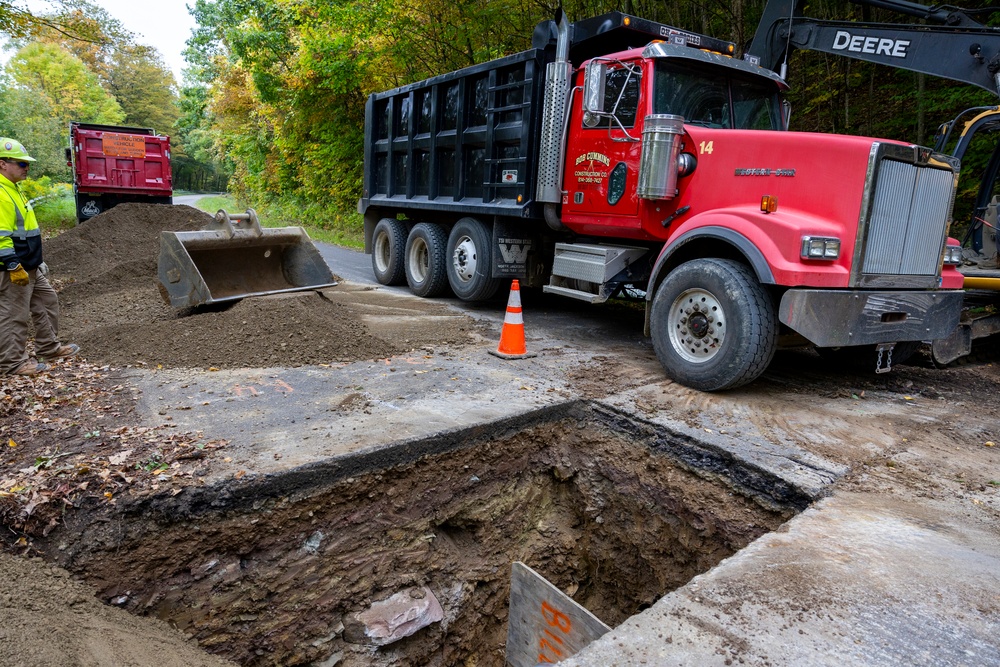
591, 273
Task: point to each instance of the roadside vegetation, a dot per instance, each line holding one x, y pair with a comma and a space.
272, 107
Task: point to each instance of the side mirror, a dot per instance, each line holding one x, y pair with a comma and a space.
594, 76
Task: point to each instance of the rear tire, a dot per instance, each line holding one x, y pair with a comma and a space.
470, 261
426, 270
388, 248
713, 325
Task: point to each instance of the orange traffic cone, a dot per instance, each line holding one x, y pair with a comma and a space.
512, 336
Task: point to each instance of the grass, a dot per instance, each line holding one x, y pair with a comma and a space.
56, 214
214, 203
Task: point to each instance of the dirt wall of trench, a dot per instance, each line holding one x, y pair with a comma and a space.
274, 577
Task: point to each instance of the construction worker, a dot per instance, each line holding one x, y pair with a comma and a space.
24, 289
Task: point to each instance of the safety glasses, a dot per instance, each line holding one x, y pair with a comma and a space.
22, 165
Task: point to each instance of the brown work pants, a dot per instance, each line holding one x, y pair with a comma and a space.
36, 300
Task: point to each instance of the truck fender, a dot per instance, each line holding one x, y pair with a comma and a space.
737, 243
746, 248
371, 217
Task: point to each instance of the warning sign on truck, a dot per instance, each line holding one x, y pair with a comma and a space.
123, 145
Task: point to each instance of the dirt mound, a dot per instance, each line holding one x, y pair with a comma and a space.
127, 233
51, 620
111, 305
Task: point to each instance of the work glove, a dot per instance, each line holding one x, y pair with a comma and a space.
18, 276
43, 269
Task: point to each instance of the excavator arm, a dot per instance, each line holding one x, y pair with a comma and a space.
951, 44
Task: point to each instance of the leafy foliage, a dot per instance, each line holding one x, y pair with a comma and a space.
61, 79
275, 90
128, 75
49, 86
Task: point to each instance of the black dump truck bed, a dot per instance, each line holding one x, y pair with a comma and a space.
466, 142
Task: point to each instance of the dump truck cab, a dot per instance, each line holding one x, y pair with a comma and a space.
627, 97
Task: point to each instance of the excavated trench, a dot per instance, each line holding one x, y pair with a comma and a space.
274, 570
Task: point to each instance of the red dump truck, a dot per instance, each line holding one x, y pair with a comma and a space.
621, 154
116, 164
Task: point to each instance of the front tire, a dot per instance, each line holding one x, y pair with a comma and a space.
426, 248
388, 248
713, 325
470, 261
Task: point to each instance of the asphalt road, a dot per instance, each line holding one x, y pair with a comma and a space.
352, 265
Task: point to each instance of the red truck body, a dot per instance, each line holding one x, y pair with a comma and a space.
591, 168
735, 169
116, 164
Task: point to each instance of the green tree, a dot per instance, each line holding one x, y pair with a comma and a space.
30, 119
47, 87
56, 75
18, 22
134, 74
196, 163
144, 87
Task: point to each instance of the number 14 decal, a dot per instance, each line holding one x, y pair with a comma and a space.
706, 147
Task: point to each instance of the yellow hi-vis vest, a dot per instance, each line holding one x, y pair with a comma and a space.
20, 237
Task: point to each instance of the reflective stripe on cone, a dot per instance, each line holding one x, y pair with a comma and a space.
512, 344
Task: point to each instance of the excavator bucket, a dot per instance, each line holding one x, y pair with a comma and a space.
234, 258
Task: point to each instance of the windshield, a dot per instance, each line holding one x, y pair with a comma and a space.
713, 98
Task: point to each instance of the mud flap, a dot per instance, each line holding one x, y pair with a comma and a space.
513, 248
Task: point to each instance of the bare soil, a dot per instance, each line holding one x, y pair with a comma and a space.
65, 431
916, 435
111, 306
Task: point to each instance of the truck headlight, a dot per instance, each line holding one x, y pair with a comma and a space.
820, 247
953, 255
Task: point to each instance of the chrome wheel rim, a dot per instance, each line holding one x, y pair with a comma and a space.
465, 259
697, 325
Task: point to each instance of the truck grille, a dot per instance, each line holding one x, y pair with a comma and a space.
910, 209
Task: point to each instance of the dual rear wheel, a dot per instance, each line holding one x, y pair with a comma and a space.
429, 258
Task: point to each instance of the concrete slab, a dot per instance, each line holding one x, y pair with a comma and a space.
281, 418
844, 583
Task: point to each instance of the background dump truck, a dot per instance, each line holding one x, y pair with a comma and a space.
620, 154
113, 164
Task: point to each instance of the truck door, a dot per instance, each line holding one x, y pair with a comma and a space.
602, 157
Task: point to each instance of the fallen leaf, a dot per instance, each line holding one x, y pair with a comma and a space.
119, 458
989, 443
11, 443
